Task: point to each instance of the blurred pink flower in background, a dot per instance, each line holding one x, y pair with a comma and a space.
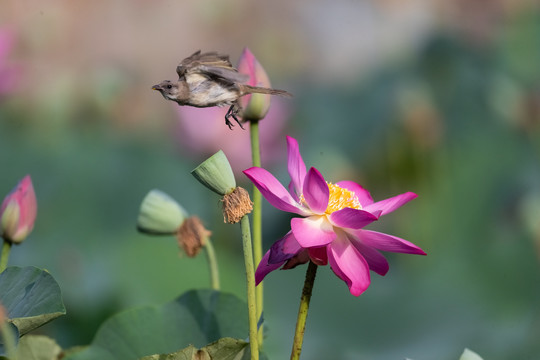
202, 132
18, 212
9, 73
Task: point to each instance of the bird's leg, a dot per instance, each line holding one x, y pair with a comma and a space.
227, 116
233, 112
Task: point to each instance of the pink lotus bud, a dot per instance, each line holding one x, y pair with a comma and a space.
256, 105
18, 212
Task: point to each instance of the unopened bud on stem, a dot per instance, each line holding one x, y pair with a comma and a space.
255, 105
18, 212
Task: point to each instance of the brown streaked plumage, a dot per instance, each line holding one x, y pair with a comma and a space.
209, 79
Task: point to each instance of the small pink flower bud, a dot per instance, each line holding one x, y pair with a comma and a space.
256, 105
18, 212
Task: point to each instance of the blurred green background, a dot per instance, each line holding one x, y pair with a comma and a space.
441, 98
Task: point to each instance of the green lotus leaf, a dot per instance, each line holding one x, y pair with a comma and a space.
198, 318
30, 296
223, 349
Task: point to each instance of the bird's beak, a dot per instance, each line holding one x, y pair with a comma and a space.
155, 87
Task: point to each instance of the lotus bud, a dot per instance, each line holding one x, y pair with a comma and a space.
160, 214
255, 105
216, 174
18, 212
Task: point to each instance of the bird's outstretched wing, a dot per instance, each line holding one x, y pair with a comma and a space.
212, 65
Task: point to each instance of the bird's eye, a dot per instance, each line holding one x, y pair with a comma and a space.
169, 86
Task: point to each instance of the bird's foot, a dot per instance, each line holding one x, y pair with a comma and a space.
232, 112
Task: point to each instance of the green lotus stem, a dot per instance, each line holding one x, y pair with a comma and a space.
303, 311
250, 276
257, 218
8, 338
212, 263
6, 248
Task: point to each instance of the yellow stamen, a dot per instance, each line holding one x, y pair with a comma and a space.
339, 198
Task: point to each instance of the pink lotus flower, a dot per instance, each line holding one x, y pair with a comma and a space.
18, 212
331, 229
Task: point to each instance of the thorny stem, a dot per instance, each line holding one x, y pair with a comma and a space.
250, 276
257, 217
5, 255
303, 311
212, 263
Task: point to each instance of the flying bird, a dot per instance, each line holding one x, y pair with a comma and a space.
209, 79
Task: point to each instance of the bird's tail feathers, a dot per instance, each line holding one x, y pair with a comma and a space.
248, 89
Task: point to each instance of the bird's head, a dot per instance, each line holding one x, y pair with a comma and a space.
168, 89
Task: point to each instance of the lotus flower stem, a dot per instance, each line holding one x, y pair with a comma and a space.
250, 276
303, 311
257, 218
6, 248
8, 338
212, 263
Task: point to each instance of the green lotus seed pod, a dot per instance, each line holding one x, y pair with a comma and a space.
469, 355
160, 214
216, 174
